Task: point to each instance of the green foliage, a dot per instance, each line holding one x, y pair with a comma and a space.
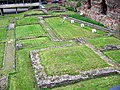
77, 16
70, 60
78, 4
70, 8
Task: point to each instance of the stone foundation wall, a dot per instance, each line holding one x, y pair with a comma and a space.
112, 17
44, 81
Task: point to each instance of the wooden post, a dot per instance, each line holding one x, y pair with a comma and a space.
30, 1
16, 10
2, 12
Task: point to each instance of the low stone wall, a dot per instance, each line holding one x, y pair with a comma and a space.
110, 47
38, 68
58, 10
44, 81
28, 24
66, 79
49, 16
3, 82
26, 15
31, 37
45, 11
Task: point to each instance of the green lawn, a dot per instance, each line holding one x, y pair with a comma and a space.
41, 42
78, 58
1, 54
114, 55
4, 23
7, 17
67, 30
3, 34
103, 83
70, 60
29, 30
101, 42
26, 21
52, 5
24, 77
34, 12
58, 13
77, 16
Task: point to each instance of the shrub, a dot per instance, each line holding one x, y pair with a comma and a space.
78, 4
70, 8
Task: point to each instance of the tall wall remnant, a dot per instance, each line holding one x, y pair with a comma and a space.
104, 11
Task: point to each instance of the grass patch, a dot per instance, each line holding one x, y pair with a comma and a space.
4, 23
41, 42
58, 13
29, 30
3, 34
101, 42
67, 30
70, 60
77, 16
103, 83
26, 21
34, 12
1, 54
114, 55
24, 77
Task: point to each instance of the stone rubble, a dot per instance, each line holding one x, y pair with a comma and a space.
3, 82
19, 46
110, 47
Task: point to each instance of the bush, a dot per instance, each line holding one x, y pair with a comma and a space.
70, 8
78, 4
77, 16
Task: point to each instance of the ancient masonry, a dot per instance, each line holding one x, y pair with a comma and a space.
44, 81
105, 11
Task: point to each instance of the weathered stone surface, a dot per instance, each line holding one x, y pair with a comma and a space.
44, 81
19, 45
110, 47
112, 17
3, 82
66, 79
11, 26
54, 8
